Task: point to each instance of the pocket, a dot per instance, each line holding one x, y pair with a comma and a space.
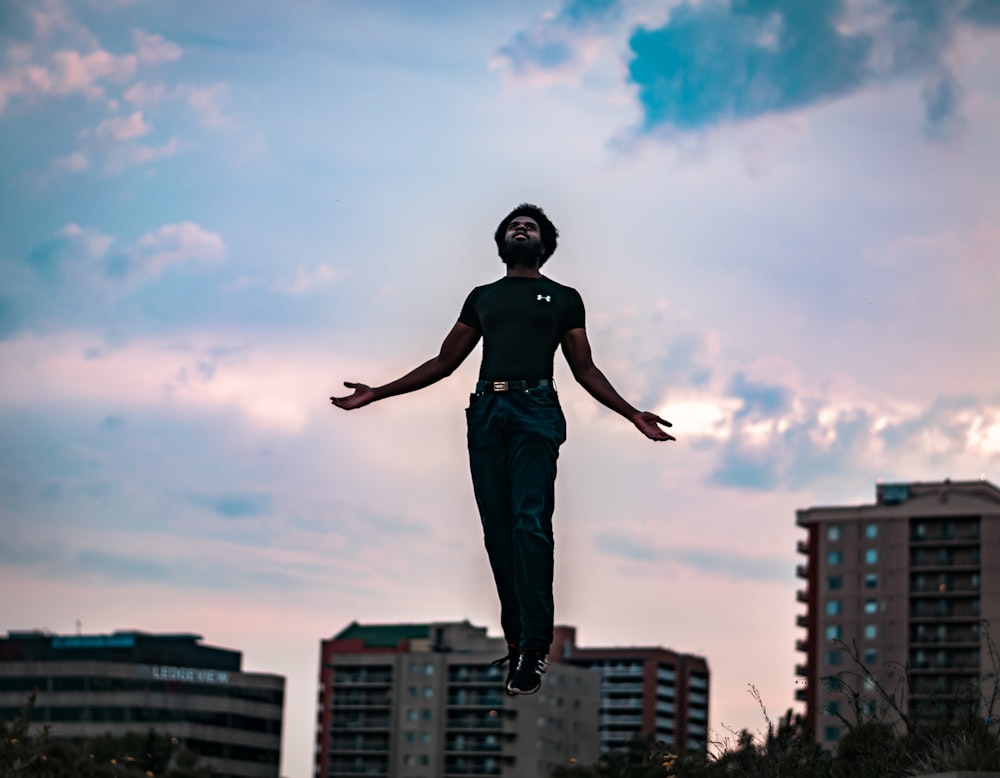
543, 395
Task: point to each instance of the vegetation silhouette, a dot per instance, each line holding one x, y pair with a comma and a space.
29, 752
956, 730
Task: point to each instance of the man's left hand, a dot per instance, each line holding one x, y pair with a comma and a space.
648, 424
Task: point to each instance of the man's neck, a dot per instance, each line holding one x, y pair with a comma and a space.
523, 271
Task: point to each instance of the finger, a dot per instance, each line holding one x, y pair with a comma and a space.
663, 422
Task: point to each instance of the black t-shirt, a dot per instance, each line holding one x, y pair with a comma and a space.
522, 321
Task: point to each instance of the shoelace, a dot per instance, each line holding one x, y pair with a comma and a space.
511, 653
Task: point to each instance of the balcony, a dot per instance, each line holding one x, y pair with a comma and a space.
361, 676
802, 547
474, 722
802, 645
802, 671
801, 596
464, 698
625, 704
800, 695
802, 571
802, 620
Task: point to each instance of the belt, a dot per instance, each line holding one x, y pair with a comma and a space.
489, 387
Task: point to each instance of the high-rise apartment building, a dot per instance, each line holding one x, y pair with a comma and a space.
900, 595
425, 701
644, 692
91, 685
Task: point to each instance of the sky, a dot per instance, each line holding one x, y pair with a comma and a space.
783, 217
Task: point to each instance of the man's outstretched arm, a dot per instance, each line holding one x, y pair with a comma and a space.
457, 345
576, 347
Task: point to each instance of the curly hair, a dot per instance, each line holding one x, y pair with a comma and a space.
549, 233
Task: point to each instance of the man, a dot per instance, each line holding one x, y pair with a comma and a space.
515, 424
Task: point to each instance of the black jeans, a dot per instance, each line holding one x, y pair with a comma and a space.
514, 440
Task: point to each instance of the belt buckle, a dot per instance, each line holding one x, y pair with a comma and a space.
499, 386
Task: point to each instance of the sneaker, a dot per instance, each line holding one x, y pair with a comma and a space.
510, 660
528, 675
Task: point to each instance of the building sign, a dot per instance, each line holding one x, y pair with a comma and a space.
183, 674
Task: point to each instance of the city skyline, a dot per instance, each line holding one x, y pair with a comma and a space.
784, 225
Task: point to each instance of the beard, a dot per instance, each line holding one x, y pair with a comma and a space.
526, 254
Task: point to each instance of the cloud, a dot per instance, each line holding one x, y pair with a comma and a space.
237, 505
74, 162
560, 46
84, 68
174, 244
143, 94
121, 128
942, 106
780, 439
154, 49
205, 101
723, 61
76, 278
644, 550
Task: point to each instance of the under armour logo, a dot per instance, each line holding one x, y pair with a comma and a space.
546, 297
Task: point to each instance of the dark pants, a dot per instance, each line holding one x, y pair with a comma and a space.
514, 440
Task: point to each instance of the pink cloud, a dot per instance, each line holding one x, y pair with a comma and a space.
180, 243
154, 49
121, 128
74, 162
143, 94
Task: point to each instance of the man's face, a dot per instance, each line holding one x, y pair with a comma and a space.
523, 241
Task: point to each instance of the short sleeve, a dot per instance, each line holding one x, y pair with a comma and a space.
468, 315
575, 316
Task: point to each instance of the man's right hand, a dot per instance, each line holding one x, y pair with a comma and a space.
363, 394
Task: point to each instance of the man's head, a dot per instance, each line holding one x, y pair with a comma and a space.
524, 233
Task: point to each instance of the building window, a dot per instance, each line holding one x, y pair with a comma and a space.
871, 556
428, 691
425, 714
833, 658
871, 606
834, 632
831, 733
834, 557
871, 656
411, 714
871, 580
425, 737
833, 532
835, 582
428, 669
871, 631
871, 531
833, 607
832, 708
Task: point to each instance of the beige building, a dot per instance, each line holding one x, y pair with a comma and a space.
425, 701
90, 685
899, 596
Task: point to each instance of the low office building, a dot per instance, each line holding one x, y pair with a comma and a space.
90, 685
425, 701
644, 692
